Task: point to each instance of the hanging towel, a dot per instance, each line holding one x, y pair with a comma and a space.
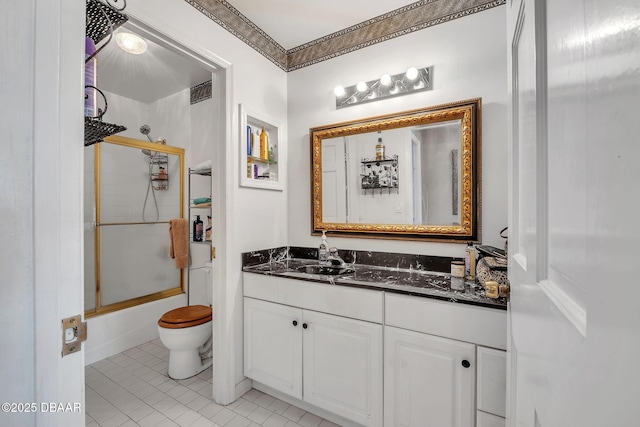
179, 250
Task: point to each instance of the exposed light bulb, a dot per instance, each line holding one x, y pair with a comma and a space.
131, 43
339, 91
412, 73
385, 80
362, 87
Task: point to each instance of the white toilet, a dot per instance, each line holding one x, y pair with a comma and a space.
187, 333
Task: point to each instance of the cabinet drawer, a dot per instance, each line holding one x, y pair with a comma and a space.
492, 380
478, 325
363, 304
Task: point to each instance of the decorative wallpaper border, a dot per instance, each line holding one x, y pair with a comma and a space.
407, 19
201, 92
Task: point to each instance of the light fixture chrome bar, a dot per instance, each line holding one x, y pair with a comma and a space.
411, 81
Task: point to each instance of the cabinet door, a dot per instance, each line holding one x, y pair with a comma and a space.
492, 381
426, 381
343, 366
273, 345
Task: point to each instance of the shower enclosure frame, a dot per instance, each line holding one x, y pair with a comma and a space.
141, 145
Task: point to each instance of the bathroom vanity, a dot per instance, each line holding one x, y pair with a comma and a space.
378, 346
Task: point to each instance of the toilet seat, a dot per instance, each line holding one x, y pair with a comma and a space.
186, 317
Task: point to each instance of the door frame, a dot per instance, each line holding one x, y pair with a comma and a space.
224, 387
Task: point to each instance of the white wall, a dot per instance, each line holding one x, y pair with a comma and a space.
254, 219
469, 56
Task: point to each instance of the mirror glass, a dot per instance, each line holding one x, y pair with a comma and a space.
407, 175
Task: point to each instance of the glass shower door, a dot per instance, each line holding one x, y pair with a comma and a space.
138, 190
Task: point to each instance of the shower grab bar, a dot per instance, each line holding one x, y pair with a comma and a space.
102, 224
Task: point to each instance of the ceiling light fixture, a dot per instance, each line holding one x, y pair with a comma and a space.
411, 81
131, 43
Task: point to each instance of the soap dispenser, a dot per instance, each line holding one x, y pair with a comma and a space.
323, 250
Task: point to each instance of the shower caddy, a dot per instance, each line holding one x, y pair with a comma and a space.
101, 20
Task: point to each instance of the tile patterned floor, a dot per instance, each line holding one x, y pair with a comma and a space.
132, 389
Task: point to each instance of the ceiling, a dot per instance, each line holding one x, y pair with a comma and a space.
156, 74
292, 23
161, 72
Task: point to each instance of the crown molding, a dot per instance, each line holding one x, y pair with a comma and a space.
402, 21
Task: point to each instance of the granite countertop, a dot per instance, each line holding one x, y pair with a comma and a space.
411, 281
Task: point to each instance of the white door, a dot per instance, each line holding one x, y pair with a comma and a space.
429, 380
273, 345
41, 214
334, 185
343, 366
573, 220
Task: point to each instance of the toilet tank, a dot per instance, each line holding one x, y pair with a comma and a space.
200, 285
209, 283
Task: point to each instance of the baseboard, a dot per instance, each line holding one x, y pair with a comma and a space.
243, 387
304, 405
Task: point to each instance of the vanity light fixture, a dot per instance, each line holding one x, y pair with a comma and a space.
131, 43
413, 80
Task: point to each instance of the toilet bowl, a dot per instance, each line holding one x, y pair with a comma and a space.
186, 332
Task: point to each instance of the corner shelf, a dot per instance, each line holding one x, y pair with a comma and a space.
101, 20
260, 168
206, 209
96, 130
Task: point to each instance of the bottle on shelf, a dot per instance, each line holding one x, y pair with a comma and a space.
264, 145
207, 232
249, 167
197, 229
379, 149
162, 174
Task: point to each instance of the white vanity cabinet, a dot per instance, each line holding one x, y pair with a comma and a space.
438, 356
273, 345
342, 360
324, 348
327, 346
428, 380
492, 387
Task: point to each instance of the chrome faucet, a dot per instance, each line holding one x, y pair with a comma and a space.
334, 257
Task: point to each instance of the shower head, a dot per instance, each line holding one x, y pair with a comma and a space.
145, 130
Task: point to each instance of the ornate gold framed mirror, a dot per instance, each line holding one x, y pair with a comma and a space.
410, 175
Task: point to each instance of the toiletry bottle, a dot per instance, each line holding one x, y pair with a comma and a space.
207, 232
470, 262
264, 145
256, 145
379, 149
197, 229
323, 250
